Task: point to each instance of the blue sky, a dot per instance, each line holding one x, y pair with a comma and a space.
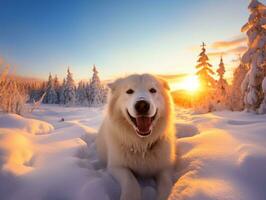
120, 37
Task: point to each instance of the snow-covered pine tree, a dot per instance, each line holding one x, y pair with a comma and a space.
62, 92
51, 96
96, 91
222, 86
262, 108
204, 70
70, 89
222, 83
205, 101
81, 94
236, 96
255, 56
56, 83
57, 88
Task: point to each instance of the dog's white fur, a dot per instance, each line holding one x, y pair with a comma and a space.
126, 153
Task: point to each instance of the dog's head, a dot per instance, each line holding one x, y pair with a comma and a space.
140, 102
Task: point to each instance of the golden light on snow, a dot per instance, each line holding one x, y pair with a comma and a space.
190, 83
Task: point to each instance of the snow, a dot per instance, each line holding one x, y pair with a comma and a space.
222, 156
262, 108
32, 126
226, 160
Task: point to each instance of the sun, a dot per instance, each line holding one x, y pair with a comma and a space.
190, 83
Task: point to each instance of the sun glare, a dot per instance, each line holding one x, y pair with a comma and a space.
190, 84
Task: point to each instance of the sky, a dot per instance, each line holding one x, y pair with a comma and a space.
119, 37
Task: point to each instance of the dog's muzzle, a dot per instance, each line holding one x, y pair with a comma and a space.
142, 124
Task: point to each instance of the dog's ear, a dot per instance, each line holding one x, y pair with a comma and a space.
113, 85
165, 84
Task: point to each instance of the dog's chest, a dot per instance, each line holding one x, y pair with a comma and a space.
145, 161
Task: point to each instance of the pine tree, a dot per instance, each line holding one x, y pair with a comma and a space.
236, 96
56, 83
62, 92
96, 91
255, 56
222, 85
81, 94
57, 88
205, 70
51, 96
70, 89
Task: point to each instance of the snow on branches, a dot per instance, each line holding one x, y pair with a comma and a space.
12, 98
255, 57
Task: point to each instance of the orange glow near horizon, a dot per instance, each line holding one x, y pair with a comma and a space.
190, 83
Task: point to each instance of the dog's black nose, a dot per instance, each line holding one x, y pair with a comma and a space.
142, 107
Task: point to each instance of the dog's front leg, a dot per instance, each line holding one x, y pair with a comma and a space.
164, 185
130, 189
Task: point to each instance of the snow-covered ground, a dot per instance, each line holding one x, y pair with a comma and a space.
222, 156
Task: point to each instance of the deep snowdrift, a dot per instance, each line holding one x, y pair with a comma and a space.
222, 156
226, 160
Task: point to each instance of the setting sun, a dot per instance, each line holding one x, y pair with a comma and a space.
189, 83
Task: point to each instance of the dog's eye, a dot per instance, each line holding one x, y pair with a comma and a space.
130, 91
152, 90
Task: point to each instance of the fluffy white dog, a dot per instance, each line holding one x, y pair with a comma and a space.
137, 134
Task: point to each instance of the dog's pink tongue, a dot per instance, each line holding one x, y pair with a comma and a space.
143, 124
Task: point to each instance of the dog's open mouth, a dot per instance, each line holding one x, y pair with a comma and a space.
143, 124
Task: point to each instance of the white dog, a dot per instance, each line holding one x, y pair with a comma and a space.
137, 134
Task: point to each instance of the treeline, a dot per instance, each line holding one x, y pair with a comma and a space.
91, 93
16, 91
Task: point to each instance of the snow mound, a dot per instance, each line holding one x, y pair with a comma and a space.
16, 152
225, 161
31, 126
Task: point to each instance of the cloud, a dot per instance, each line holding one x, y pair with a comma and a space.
240, 40
233, 51
217, 53
235, 46
238, 50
